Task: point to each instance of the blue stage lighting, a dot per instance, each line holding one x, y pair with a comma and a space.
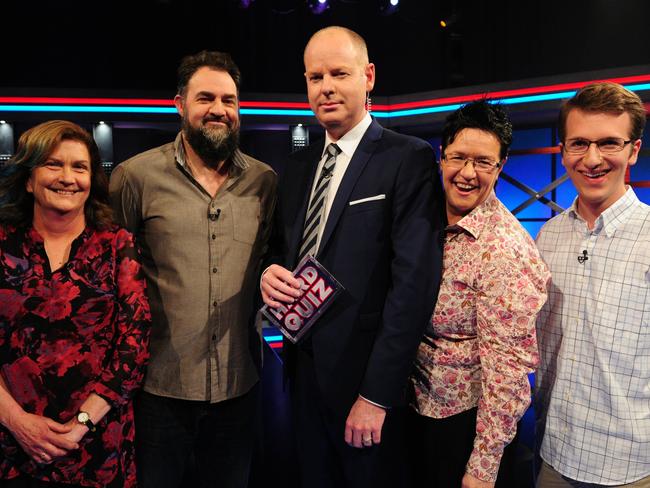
318, 6
387, 7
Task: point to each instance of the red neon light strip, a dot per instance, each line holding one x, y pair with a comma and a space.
536, 150
86, 101
508, 93
133, 101
275, 345
303, 105
274, 104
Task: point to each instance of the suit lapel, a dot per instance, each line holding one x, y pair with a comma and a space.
304, 181
358, 162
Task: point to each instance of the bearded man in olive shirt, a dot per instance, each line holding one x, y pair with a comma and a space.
201, 210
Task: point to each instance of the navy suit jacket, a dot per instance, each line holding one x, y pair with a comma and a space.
387, 254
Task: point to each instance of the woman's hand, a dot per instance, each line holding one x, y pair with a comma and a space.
470, 481
77, 430
41, 438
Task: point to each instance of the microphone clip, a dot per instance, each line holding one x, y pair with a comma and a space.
584, 257
213, 214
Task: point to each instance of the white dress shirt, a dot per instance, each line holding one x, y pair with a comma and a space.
594, 336
348, 145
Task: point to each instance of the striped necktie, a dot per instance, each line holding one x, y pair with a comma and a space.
317, 204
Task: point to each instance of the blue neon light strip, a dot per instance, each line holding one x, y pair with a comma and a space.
275, 111
538, 98
273, 338
418, 111
289, 112
640, 87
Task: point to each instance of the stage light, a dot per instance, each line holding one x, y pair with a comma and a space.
318, 6
449, 21
245, 3
387, 7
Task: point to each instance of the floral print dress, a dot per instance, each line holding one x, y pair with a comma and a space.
67, 333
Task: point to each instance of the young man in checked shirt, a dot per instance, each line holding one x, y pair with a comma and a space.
594, 331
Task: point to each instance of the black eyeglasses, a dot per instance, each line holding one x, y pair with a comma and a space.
481, 165
608, 145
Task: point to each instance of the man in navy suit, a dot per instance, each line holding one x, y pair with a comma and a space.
368, 205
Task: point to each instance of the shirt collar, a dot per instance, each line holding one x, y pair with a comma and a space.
614, 216
474, 222
239, 163
349, 142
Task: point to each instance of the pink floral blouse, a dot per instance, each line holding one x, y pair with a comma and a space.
481, 343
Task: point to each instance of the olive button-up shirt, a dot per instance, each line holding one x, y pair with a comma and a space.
201, 256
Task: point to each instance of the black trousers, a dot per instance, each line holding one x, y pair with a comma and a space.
440, 448
181, 443
324, 459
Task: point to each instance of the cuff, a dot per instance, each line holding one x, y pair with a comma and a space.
373, 403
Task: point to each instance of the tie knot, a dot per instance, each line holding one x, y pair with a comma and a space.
333, 150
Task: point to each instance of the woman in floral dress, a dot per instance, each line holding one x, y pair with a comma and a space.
74, 318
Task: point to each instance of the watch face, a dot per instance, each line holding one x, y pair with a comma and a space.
83, 417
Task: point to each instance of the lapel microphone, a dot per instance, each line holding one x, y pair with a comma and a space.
583, 258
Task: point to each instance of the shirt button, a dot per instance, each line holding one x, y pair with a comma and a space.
214, 236
213, 217
214, 304
214, 337
214, 270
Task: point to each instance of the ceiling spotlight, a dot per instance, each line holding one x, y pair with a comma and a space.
318, 6
387, 7
449, 21
3, 121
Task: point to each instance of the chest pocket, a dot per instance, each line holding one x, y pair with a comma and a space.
246, 219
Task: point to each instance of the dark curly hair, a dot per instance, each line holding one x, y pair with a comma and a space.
483, 115
214, 60
34, 147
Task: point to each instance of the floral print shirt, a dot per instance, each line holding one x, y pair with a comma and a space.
65, 334
481, 343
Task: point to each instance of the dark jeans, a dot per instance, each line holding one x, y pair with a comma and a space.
440, 448
195, 444
25, 481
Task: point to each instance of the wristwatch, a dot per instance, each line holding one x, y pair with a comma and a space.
84, 418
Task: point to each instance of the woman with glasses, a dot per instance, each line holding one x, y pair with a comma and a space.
74, 318
471, 372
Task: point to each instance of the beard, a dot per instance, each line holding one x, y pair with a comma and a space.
212, 144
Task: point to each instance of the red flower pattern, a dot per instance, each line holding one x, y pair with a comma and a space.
63, 335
